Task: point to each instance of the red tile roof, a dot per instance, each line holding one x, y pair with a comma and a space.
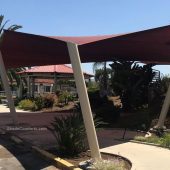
52, 69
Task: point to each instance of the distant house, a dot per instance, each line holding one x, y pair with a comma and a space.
49, 79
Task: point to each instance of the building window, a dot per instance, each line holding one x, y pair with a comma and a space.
47, 88
36, 88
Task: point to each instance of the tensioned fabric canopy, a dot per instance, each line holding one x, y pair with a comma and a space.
21, 49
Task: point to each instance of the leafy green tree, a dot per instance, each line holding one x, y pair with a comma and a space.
99, 74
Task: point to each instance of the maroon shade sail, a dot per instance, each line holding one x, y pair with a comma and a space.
21, 49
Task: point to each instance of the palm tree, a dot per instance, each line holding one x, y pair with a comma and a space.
3, 23
104, 77
12, 75
131, 82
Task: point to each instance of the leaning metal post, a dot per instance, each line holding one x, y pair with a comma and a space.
84, 100
164, 111
7, 90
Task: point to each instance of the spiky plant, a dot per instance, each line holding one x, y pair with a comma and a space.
70, 132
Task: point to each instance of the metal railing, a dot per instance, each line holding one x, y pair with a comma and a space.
157, 75
2, 93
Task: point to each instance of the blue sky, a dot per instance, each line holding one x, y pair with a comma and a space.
88, 17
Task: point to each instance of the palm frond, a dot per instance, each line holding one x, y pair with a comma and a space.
14, 27
1, 19
2, 27
96, 65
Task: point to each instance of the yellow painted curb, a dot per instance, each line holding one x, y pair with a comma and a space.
58, 162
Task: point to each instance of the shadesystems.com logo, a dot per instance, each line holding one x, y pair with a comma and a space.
20, 128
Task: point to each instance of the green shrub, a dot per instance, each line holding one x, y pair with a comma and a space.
152, 139
95, 99
65, 97
107, 112
70, 97
93, 86
27, 104
39, 102
45, 101
103, 108
162, 141
16, 101
166, 140
48, 100
140, 138
2, 97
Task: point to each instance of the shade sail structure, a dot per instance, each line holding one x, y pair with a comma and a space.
21, 49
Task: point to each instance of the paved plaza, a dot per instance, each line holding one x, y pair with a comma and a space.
143, 157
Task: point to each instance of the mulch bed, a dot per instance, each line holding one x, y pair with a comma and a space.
84, 156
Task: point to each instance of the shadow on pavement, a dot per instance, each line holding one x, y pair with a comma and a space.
23, 153
111, 137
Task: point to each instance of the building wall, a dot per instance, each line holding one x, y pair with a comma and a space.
41, 88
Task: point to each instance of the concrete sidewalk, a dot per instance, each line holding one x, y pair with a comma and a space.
9, 161
4, 109
143, 157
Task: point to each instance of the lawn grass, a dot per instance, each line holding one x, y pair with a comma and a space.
163, 141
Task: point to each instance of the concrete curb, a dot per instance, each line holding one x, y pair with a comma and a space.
16, 139
58, 162
152, 144
145, 143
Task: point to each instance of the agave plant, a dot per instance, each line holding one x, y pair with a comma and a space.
70, 132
